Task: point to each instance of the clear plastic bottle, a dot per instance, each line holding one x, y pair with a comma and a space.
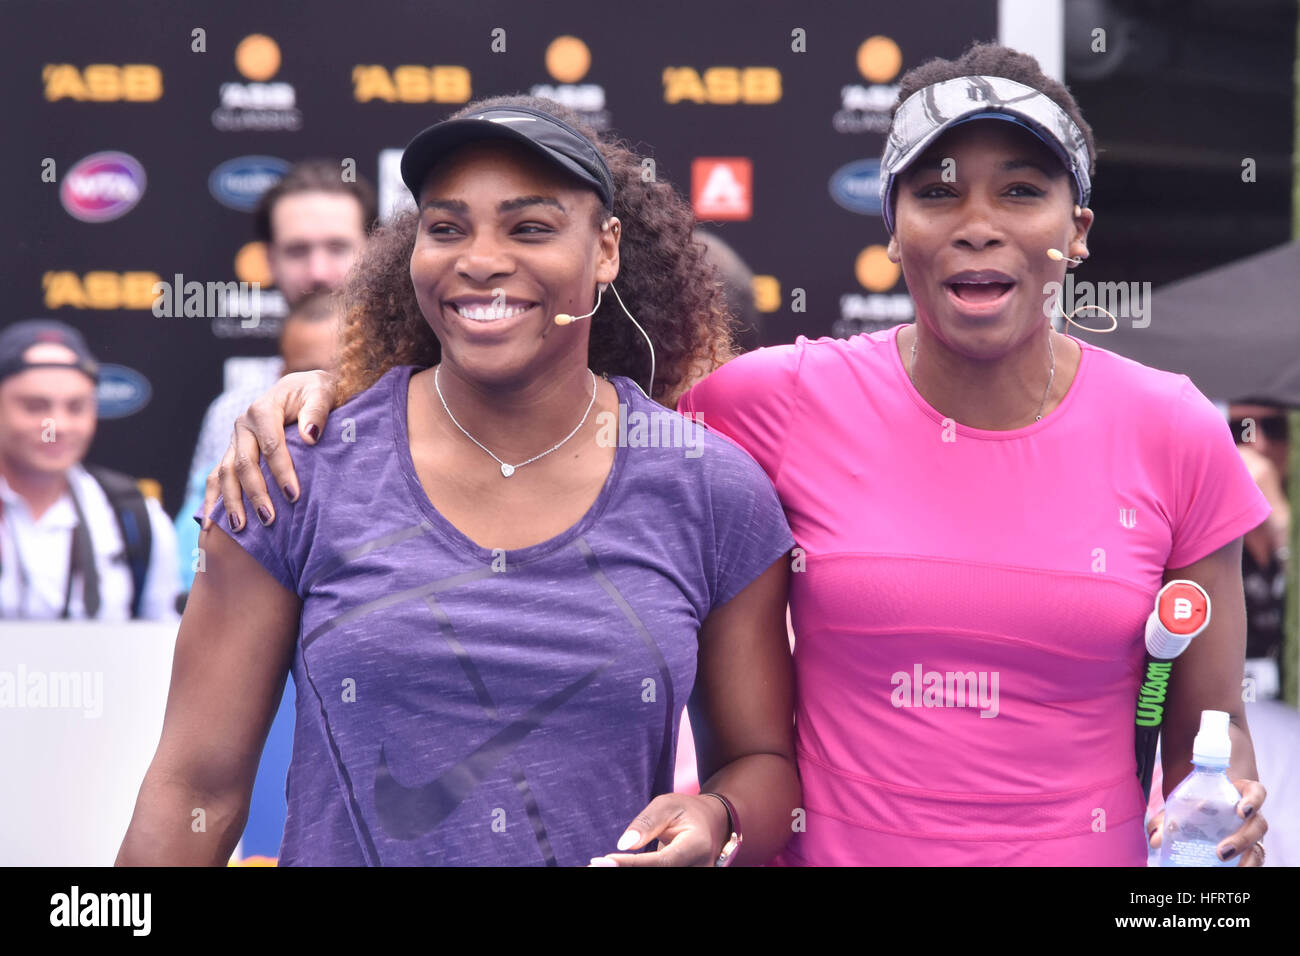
1202, 810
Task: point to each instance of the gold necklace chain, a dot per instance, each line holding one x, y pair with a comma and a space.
1051, 376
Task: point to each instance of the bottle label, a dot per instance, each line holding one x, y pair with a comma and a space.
1193, 853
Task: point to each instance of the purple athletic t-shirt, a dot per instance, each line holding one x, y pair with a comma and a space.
459, 706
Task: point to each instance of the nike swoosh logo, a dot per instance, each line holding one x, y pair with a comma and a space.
409, 812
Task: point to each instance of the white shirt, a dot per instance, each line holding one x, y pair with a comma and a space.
42, 548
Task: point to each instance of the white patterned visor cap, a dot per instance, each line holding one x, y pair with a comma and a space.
930, 112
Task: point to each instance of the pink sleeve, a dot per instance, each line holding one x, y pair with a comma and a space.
1215, 499
750, 400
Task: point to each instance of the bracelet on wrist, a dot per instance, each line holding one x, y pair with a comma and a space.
732, 843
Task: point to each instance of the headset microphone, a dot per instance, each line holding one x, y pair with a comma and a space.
1056, 255
564, 318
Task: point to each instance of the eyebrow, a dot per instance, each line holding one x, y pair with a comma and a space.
1007, 166
508, 205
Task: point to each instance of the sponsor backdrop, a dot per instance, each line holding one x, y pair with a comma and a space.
146, 131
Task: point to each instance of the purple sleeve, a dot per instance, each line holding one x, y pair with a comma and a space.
752, 530
1215, 498
274, 546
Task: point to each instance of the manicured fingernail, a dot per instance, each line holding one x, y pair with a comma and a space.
289, 494
264, 515
313, 432
628, 840
602, 861
234, 524
1228, 854
1247, 812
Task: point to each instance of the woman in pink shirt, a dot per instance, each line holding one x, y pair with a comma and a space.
985, 510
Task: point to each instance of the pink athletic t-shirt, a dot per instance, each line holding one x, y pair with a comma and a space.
970, 606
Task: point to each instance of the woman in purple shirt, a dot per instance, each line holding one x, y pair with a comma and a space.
504, 569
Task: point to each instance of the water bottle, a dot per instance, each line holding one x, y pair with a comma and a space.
1202, 810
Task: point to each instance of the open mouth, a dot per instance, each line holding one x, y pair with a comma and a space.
980, 293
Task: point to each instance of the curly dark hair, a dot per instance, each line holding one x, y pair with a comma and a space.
664, 278
992, 59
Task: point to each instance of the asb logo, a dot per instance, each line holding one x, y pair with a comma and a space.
98, 290
752, 85
121, 391
257, 105
102, 186
866, 109
878, 308
410, 84
722, 188
567, 61
856, 186
103, 82
239, 183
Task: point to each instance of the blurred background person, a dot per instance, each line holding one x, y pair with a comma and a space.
310, 337
76, 542
1264, 444
737, 280
314, 225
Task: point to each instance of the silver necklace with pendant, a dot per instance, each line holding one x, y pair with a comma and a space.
506, 469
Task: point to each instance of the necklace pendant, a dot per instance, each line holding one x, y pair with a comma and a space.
507, 470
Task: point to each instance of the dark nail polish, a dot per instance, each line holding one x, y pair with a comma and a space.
1228, 854
1247, 812
234, 524
289, 495
313, 432
264, 514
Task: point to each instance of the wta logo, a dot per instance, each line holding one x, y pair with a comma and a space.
102, 186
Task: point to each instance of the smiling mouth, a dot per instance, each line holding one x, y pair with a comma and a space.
487, 314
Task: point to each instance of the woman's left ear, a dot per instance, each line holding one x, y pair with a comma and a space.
609, 232
1083, 222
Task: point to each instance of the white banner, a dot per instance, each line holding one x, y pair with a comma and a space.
81, 711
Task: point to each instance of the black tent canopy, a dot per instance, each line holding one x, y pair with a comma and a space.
1234, 330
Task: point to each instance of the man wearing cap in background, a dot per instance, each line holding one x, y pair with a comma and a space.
75, 542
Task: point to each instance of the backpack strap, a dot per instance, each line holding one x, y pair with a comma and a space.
128, 504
